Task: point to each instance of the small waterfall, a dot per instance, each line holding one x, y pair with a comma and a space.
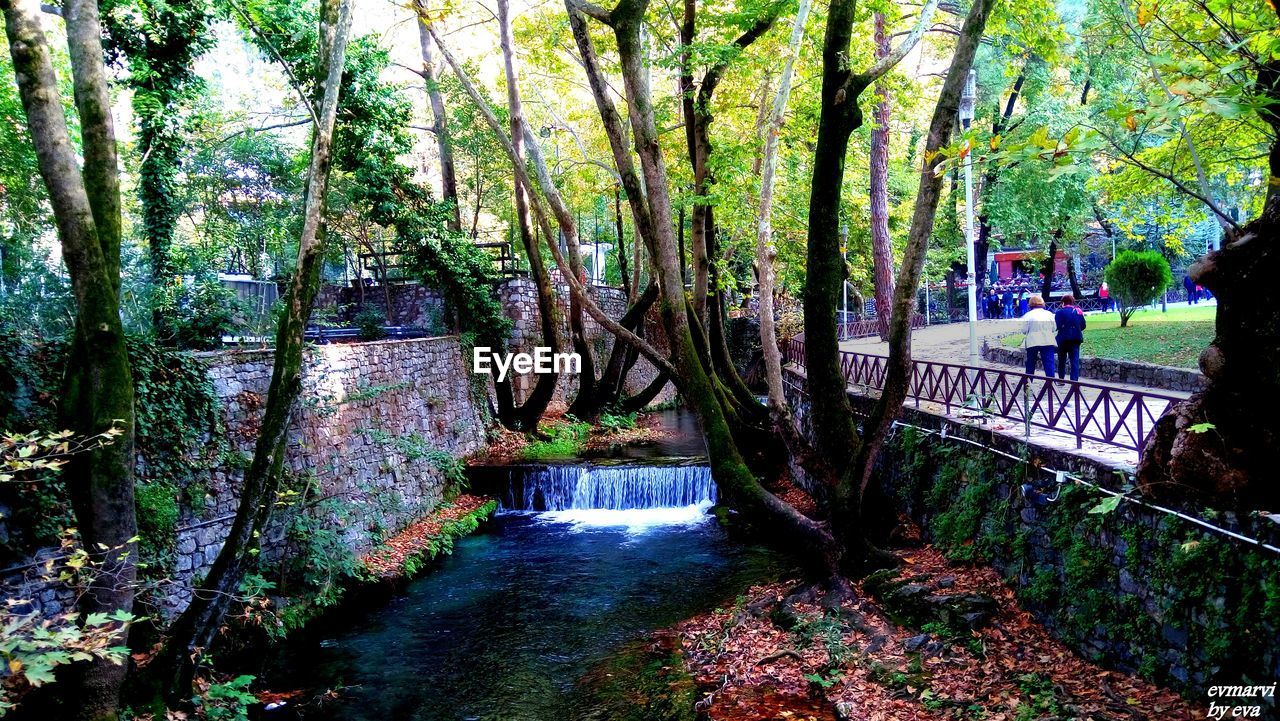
614, 488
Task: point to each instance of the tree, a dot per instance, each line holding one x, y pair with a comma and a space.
764, 229
1137, 278
526, 415
194, 630
1220, 80
881, 243
160, 41
593, 395
98, 385
440, 120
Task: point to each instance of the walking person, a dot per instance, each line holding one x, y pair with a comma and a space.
1007, 299
1190, 286
1038, 336
1105, 294
1022, 302
1070, 324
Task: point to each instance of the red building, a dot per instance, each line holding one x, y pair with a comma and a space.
1028, 262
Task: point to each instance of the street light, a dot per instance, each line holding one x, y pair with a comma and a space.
967, 98
844, 284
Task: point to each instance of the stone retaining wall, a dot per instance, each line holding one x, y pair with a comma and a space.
519, 298
370, 429
1135, 588
1111, 370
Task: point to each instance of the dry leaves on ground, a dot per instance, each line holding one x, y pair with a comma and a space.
388, 560
781, 653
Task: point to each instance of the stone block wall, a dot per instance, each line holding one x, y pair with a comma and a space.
1134, 587
412, 304
519, 298
1111, 370
371, 427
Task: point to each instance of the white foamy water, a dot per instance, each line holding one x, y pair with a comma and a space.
615, 488
633, 520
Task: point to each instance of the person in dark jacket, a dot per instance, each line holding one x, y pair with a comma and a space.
1070, 323
1007, 300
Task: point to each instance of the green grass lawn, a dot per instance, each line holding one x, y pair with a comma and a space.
1174, 338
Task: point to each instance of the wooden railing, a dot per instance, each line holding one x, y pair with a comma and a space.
1088, 411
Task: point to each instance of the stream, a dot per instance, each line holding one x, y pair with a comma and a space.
580, 560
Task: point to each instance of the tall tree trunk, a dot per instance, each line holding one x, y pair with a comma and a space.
654, 214
833, 427
1071, 277
982, 243
1235, 459
526, 416
1047, 268
619, 229
898, 366
561, 211
194, 631
440, 119
98, 383
698, 118
765, 253
881, 243
831, 414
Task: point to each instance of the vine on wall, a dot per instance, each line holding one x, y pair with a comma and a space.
1179, 604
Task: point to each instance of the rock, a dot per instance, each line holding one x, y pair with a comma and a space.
968, 610
915, 643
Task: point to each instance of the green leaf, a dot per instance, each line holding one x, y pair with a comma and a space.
1107, 505
96, 619
1201, 427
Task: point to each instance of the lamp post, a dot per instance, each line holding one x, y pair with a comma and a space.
844, 284
967, 99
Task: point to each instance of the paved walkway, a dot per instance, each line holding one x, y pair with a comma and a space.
949, 343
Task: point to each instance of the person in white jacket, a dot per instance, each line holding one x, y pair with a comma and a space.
1039, 336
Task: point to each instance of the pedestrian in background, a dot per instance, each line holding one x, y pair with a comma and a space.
1069, 322
1039, 336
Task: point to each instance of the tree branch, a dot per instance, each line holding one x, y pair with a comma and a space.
896, 55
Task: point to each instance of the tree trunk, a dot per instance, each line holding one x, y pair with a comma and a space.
736, 481
881, 243
619, 229
194, 631
982, 243
1047, 268
1071, 277
1234, 460
765, 253
526, 416
440, 119
563, 217
98, 383
698, 117
832, 415
898, 366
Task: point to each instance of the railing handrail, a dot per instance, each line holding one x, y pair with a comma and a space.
1103, 418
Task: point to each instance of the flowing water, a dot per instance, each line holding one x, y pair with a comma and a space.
580, 560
